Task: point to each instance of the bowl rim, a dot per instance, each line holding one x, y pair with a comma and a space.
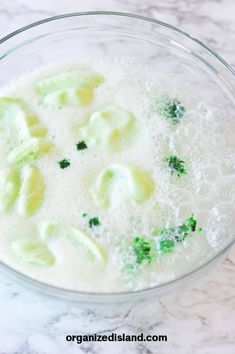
120, 14
99, 297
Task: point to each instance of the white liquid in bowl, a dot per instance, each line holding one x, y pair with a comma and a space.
203, 139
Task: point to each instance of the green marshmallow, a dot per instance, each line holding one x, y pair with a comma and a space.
140, 185
70, 88
15, 112
31, 192
30, 149
35, 252
76, 78
75, 96
111, 128
48, 230
9, 189
38, 130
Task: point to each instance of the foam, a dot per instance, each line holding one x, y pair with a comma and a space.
208, 190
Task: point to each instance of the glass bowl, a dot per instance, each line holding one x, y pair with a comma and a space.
97, 34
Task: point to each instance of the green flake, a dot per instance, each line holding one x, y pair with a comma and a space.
171, 109
64, 163
166, 246
94, 222
168, 236
81, 145
176, 165
192, 223
142, 250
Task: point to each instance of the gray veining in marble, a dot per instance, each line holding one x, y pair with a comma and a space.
199, 319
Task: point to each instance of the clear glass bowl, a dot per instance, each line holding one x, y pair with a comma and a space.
98, 34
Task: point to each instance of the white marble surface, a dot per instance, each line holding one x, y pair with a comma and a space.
198, 320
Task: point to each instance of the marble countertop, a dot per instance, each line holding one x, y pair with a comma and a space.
200, 318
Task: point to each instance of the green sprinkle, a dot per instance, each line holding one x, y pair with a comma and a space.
142, 250
171, 109
84, 215
176, 165
166, 246
94, 222
192, 223
81, 145
177, 233
184, 228
64, 163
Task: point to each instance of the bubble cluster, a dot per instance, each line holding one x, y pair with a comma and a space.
203, 138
